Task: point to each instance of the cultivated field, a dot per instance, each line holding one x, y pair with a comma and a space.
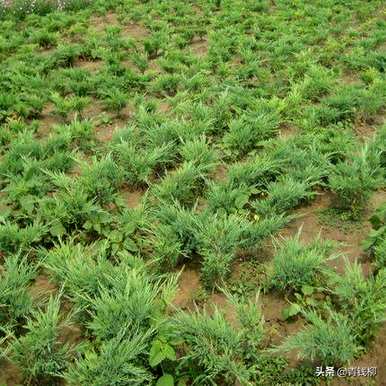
192, 192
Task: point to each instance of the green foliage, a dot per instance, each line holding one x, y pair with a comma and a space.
353, 181
116, 362
213, 348
378, 233
328, 342
218, 238
225, 118
181, 185
15, 300
283, 195
100, 179
248, 131
39, 353
296, 265
131, 301
363, 300
198, 152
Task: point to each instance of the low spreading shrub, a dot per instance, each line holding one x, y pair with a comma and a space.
328, 342
295, 265
40, 353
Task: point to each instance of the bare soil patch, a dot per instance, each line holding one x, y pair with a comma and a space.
89, 65
188, 286
132, 198
46, 121
42, 287
10, 374
135, 31
199, 47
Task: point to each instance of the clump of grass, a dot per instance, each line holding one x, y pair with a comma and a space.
354, 180
181, 185
114, 362
328, 342
361, 299
213, 348
39, 353
247, 132
296, 265
15, 300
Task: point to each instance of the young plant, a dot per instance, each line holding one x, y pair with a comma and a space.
353, 181
118, 362
183, 185
213, 348
219, 237
283, 195
362, 300
330, 342
134, 301
198, 152
249, 131
15, 300
101, 179
296, 265
40, 353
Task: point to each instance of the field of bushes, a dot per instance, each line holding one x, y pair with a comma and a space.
192, 192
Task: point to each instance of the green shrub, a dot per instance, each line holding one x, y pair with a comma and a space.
181, 185
224, 198
257, 172
283, 195
198, 152
219, 238
139, 165
14, 238
40, 353
362, 300
132, 302
101, 179
354, 180
249, 131
116, 362
212, 348
296, 265
175, 237
15, 300
81, 270
378, 232
329, 342
380, 254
